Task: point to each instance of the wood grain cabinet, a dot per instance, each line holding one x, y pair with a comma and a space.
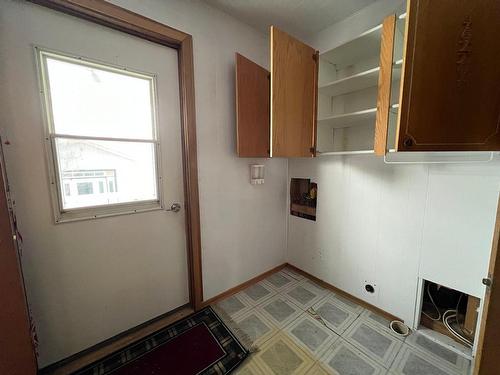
276, 111
449, 97
425, 80
252, 109
294, 90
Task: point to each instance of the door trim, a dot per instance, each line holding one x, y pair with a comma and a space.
485, 361
121, 19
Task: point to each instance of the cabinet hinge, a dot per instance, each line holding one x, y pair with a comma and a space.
488, 281
408, 142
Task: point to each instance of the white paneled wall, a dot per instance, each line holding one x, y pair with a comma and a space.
393, 224
458, 226
235, 238
390, 225
243, 226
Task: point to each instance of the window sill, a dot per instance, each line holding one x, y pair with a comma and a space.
91, 213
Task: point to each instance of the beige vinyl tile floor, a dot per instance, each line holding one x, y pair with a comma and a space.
298, 327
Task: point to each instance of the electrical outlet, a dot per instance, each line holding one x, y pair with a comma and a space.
370, 290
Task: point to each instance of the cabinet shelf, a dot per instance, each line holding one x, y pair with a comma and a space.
359, 81
346, 120
360, 48
356, 152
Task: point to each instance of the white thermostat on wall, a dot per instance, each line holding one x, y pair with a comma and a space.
256, 174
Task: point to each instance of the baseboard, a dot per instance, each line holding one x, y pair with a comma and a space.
240, 287
323, 283
336, 290
104, 348
96, 352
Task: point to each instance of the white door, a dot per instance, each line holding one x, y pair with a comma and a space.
88, 280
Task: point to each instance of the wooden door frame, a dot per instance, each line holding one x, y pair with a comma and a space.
484, 360
121, 19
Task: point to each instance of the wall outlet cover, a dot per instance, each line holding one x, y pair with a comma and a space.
370, 290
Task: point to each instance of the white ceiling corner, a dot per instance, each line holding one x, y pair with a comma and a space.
300, 18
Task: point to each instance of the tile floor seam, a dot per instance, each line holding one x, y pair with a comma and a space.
340, 348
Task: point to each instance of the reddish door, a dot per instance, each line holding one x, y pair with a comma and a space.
16, 350
488, 346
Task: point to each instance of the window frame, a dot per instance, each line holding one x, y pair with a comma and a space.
62, 214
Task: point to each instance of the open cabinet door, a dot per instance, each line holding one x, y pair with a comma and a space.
488, 346
294, 95
384, 85
450, 95
252, 109
17, 356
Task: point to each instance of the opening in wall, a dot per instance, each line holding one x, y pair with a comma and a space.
303, 195
449, 312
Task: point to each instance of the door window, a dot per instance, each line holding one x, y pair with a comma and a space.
102, 135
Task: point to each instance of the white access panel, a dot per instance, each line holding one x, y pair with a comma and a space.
458, 226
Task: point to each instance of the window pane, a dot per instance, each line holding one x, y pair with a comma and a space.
84, 188
105, 172
94, 102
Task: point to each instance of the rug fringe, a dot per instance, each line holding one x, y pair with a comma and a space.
242, 337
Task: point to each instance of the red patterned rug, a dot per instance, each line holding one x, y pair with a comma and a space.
198, 344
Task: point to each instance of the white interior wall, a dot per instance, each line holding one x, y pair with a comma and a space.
74, 271
235, 239
376, 221
391, 224
236, 243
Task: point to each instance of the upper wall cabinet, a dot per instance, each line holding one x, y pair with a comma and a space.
427, 80
347, 100
449, 95
276, 112
294, 90
252, 109
450, 91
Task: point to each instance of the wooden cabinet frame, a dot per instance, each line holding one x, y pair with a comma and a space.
384, 85
252, 109
294, 96
449, 92
276, 112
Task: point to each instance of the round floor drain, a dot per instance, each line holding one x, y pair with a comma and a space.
399, 328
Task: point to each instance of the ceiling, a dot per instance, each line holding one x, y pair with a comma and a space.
297, 17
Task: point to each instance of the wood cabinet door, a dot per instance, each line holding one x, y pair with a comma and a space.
252, 109
488, 346
294, 95
450, 95
384, 85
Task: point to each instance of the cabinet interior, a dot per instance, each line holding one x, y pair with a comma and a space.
347, 93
